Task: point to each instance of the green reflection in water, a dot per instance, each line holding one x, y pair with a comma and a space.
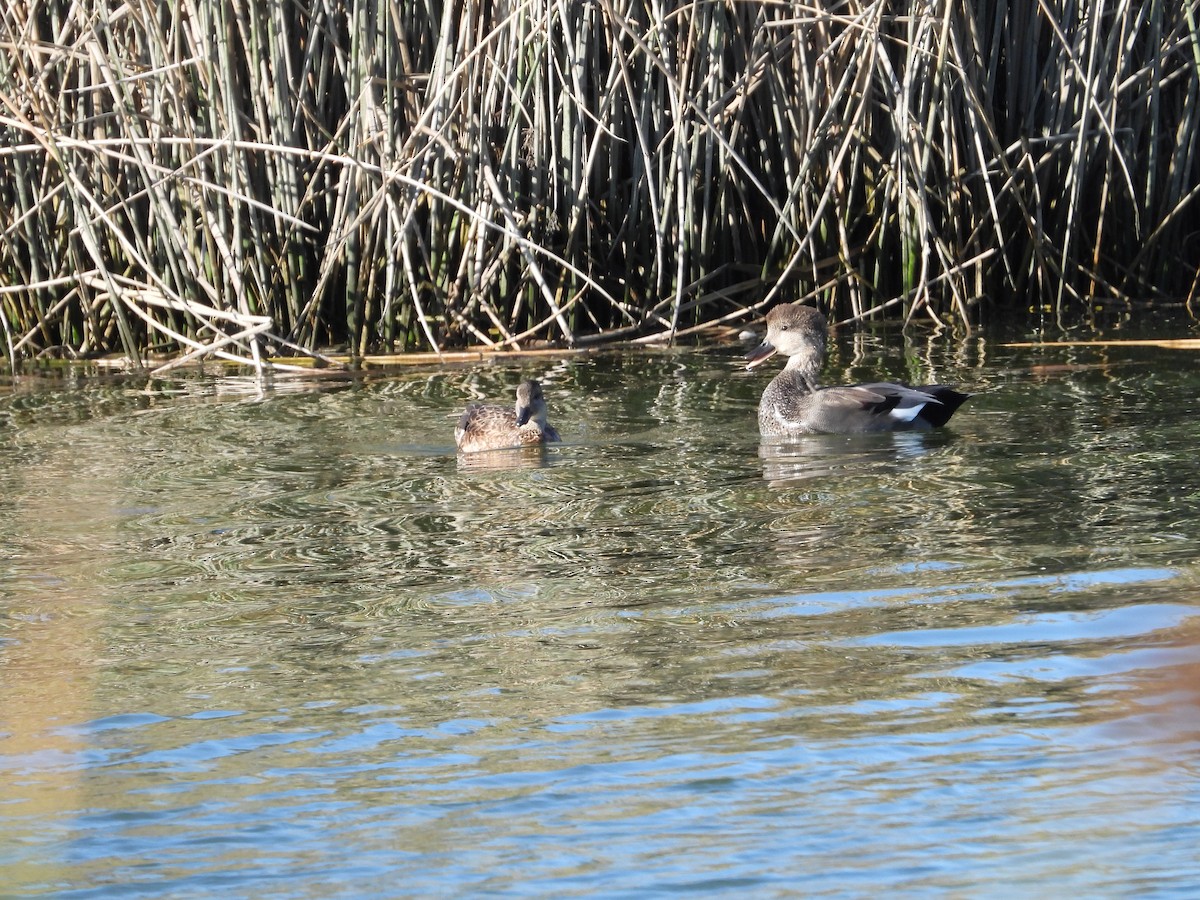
287, 638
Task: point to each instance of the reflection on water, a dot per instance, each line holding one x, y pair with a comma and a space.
285, 641
816, 456
533, 456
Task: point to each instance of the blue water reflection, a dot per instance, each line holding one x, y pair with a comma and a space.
286, 644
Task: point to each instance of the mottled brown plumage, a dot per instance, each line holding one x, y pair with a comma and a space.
486, 427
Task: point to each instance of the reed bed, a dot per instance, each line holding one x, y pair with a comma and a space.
234, 177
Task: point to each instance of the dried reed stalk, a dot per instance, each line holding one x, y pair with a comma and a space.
435, 173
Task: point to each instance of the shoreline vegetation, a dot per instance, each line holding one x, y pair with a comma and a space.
240, 179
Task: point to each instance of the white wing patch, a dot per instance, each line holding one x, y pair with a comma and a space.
906, 413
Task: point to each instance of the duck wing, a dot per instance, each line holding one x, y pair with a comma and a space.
882, 406
485, 427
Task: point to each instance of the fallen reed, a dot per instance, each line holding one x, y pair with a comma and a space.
222, 177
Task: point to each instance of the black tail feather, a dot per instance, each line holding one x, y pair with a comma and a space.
948, 401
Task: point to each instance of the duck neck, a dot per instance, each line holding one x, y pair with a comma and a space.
537, 417
805, 368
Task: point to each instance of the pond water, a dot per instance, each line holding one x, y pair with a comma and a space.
281, 642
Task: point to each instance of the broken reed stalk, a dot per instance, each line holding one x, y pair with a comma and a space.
438, 173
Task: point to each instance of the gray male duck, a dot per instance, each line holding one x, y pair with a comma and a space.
794, 403
484, 427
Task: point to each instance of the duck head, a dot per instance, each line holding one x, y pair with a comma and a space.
799, 333
531, 404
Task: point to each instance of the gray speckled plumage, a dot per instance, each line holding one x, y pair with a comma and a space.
795, 403
485, 427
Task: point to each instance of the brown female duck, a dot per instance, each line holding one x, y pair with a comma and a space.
484, 427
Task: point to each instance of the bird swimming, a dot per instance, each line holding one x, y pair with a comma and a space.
795, 403
488, 427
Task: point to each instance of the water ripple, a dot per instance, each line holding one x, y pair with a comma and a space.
289, 644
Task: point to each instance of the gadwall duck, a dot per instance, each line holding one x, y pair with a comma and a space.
794, 403
497, 427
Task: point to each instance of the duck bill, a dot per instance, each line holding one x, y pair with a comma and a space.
524, 414
760, 354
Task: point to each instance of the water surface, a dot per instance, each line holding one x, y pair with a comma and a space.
281, 642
